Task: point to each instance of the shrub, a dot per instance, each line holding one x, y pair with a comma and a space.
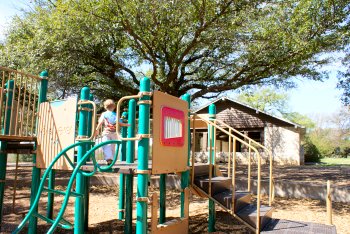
311, 152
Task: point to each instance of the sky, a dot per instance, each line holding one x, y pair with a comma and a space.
309, 98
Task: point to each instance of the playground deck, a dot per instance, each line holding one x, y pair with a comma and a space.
279, 226
120, 167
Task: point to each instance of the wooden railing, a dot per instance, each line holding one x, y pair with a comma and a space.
18, 103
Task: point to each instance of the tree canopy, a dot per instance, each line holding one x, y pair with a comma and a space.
203, 47
275, 102
265, 99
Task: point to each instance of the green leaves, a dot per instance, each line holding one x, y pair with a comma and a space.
199, 47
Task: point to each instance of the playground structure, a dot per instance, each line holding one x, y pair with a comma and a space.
56, 140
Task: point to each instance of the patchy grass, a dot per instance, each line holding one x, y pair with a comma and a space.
335, 161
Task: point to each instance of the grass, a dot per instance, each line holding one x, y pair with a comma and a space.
335, 161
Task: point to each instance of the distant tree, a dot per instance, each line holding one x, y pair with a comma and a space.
202, 47
331, 136
301, 119
344, 76
265, 99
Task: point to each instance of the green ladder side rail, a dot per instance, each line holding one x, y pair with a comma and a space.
60, 221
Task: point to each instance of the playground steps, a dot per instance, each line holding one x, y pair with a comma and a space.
244, 206
221, 193
242, 199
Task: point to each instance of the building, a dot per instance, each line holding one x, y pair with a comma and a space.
282, 137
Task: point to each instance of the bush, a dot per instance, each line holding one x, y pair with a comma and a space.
311, 152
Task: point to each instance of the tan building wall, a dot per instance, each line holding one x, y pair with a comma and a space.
284, 143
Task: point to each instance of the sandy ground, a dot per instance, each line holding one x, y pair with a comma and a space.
103, 211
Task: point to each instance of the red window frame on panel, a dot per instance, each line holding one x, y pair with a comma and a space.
175, 114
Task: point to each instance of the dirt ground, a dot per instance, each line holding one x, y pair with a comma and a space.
103, 210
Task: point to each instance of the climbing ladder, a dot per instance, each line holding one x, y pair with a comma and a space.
208, 181
60, 221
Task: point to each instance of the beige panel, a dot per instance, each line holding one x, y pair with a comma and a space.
56, 131
199, 124
174, 226
166, 159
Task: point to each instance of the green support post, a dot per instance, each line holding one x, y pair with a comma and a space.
50, 196
143, 149
87, 179
5, 131
80, 209
162, 199
130, 155
185, 176
121, 203
33, 222
211, 139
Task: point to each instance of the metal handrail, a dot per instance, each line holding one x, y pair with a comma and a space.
210, 123
138, 136
271, 187
83, 102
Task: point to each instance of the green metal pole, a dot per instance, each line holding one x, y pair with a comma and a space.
143, 148
130, 155
50, 196
212, 213
3, 156
162, 199
87, 179
79, 215
33, 221
121, 204
185, 176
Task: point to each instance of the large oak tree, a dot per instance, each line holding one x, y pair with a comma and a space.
204, 47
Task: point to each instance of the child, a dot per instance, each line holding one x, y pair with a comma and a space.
108, 119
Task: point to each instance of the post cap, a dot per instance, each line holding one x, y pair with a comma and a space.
44, 74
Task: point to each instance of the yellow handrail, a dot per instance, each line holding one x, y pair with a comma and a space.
210, 123
137, 137
261, 146
83, 102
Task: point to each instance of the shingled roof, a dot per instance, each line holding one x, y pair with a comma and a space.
243, 115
